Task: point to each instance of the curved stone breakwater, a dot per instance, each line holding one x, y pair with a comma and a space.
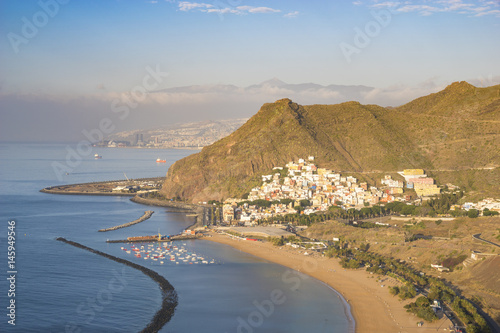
169, 294
147, 215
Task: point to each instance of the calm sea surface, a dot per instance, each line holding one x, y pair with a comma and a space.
60, 288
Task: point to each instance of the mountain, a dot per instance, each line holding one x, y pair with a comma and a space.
454, 129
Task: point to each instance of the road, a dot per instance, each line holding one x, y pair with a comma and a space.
477, 237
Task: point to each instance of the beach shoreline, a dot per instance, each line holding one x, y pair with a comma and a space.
373, 308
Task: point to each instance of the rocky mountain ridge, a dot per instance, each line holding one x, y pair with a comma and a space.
452, 129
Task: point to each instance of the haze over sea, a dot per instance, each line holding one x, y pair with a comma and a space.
60, 288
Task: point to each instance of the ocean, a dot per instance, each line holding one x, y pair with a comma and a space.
60, 288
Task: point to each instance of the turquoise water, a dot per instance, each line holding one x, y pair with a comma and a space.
60, 288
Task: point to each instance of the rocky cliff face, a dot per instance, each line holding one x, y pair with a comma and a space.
424, 133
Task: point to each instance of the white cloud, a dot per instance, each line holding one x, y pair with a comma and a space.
475, 8
291, 14
263, 10
495, 12
386, 4
222, 11
239, 10
186, 6
422, 9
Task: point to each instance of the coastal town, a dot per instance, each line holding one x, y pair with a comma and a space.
195, 135
303, 184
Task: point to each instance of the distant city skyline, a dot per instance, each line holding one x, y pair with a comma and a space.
66, 65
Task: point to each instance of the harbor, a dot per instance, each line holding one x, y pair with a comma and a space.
167, 253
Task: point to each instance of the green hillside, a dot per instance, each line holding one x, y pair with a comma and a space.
455, 129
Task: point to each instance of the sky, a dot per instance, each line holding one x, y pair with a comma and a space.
65, 65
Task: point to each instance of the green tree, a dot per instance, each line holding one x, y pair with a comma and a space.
408, 210
487, 212
394, 290
422, 301
304, 203
407, 291
278, 241
473, 213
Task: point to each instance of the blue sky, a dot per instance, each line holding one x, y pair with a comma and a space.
93, 51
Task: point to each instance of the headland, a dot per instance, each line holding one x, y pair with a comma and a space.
128, 187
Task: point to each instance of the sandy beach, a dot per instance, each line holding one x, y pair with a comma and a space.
373, 307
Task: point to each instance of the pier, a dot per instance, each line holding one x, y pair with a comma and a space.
148, 239
147, 215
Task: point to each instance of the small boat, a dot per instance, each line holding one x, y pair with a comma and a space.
97, 156
158, 160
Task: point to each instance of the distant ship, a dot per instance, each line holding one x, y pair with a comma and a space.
97, 156
160, 161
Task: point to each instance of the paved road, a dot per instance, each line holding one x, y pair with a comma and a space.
477, 237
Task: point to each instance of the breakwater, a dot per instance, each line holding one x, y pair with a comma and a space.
173, 238
147, 215
169, 294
